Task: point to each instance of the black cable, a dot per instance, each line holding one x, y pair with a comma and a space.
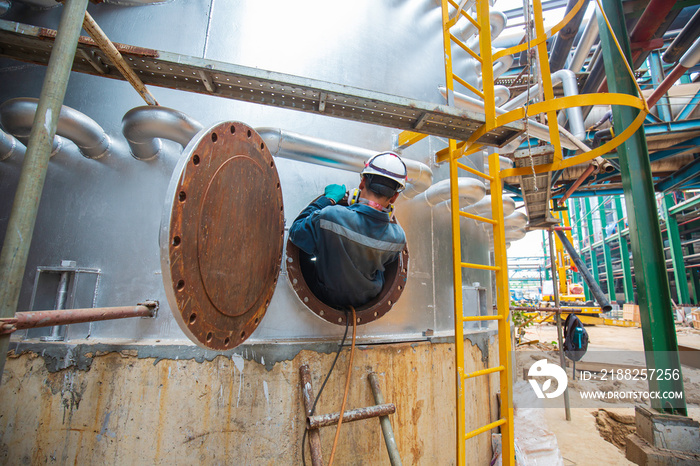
318, 396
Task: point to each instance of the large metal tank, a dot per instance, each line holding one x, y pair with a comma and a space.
101, 220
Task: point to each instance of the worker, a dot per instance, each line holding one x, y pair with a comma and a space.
607, 117
353, 244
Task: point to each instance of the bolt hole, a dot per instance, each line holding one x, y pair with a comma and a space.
180, 285
389, 303
257, 319
193, 318
210, 336
214, 137
242, 334
227, 340
195, 159
176, 241
249, 133
272, 164
278, 186
376, 314
182, 196
262, 145
232, 129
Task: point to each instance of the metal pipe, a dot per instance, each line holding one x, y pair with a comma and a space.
501, 94
464, 29
37, 319
10, 146
565, 38
358, 414
60, 304
515, 221
314, 434
585, 44
106, 45
5, 6
515, 234
389, 440
483, 207
560, 338
537, 130
295, 146
591, 168
18, 115
144, 126
687, 61
570, 310
583, 270
470, 190
683, 40
20, 226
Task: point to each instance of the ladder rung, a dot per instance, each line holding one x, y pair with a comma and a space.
474, 171
480, 266
463, 13
478, 318
465, 48
487, 427
490, 370
477, 218
468, 86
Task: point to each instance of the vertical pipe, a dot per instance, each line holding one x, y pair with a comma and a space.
394, 457
607, 254
656, 70
624, 253
314, 434
674, 244
560, 337
661, 347
503, 305
591, 240
579, 231
20, 226
61, 295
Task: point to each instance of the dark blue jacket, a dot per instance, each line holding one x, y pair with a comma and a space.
351, 245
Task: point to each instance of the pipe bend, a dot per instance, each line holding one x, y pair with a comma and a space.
143, 127
10, 146
471, 190
17, 117
483, 207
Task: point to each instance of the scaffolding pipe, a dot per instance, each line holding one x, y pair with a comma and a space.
295, 146
687, 61
18, 116
683, 40
37, 319
583, 270
20, 226
358, 414
389, 440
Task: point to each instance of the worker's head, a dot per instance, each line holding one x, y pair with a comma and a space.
385, 175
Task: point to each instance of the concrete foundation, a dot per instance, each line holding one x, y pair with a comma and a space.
135, 407
663, 439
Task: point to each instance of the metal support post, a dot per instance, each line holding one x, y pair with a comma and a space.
694, 275
562, 361
656, 70
20, 226
314, 434
61, 296
624, 253
579, 232
546, 270
607, 255
653, 289
674, 244
591, 240
394, 457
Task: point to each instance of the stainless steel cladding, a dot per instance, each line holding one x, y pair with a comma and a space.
103, 213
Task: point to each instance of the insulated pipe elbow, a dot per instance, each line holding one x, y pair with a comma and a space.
483, 207
515, 221
470, 190
515, 235
17, 117
10, 146
143, 127
295, 146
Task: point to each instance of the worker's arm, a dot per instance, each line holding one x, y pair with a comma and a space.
304, 231
606, 117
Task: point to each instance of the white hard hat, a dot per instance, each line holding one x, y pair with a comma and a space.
388, 165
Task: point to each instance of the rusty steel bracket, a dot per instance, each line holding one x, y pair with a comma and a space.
8, 325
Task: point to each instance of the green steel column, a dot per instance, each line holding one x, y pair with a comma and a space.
575, 277
20, 226
624, 253
607, 255
591, 240
645, 235
674, 244
544, 249
579, 231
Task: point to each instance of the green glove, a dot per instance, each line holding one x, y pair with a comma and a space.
335, 192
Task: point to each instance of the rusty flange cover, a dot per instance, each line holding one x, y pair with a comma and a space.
221, 235
395, 281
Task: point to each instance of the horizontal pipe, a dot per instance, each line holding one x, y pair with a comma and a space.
325, 420
295, 146
483, 207
549, 309
35, 319
143, 127
687, 61
17, 117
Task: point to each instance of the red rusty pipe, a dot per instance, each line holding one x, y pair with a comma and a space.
653, 17
36, 319
666, 84
577, 183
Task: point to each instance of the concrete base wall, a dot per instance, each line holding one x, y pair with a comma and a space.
124, 408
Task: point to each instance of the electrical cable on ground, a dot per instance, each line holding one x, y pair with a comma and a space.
347, 385
323, 385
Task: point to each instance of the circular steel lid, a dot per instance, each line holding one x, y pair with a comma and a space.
221, 235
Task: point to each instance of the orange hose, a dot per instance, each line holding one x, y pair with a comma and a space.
347, 387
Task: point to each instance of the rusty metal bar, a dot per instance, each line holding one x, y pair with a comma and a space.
591, 168
24, 320
394, 456
106, 45
314, 434
325, 420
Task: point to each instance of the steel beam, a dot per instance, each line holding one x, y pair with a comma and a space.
645, 235
20, 226
656, 69
624, 253
674, 243
680, 177
607, 255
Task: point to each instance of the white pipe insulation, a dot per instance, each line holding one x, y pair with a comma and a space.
144, 126
470, 190
17, 117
